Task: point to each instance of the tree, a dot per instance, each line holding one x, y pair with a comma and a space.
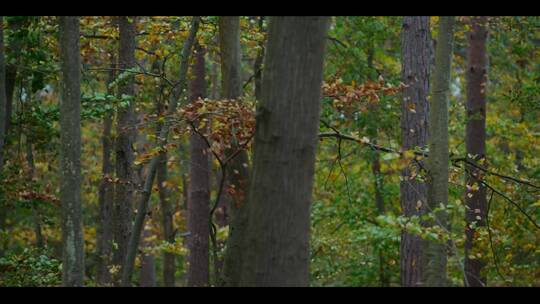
199, 187
133, 244
70, 153
237, 172
125, 139
416, 49
437, 164
3, 96
277, 239
104, 233
475, 139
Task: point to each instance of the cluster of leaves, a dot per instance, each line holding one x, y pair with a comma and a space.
31, 268
351, 98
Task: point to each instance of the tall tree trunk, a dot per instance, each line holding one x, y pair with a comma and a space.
133, 244
169, 259
70, 154
14, 49
40, 242
125, 139
237, 171
378, 177
106, 197
148, 262
199, 189
475, 140
277, 239
258, 65
416, 54
3, 96
437, 164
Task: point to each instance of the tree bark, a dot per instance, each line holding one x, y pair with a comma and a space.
437, 163
475, 140
416, 54
70, 154
237, 171
106, 200
125, 139
199, 189
277, 240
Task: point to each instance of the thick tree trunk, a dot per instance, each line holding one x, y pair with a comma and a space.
475, 140
277, 240
125, 139
437, 164
416, 52
70, 154
199, 189
105, 199
237, 171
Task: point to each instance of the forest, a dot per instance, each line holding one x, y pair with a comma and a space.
269, 151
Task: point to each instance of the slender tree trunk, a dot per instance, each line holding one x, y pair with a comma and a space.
169, 259
277, 240
416, 54
14, 49
475, 139
3, 126
378, 177
258, 65
133, 244
40, 242
199, 189
148, 262
3, 96
70, 154
237, 171
437, 164
106, 199
125, 139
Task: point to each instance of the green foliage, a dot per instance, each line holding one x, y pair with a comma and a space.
30, 268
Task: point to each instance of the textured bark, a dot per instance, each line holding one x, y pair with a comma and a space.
475, 140
437, 164
142, 207
416, 49
125, 139
237, 173
199, 189
70, 154
105, 201
277, 240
